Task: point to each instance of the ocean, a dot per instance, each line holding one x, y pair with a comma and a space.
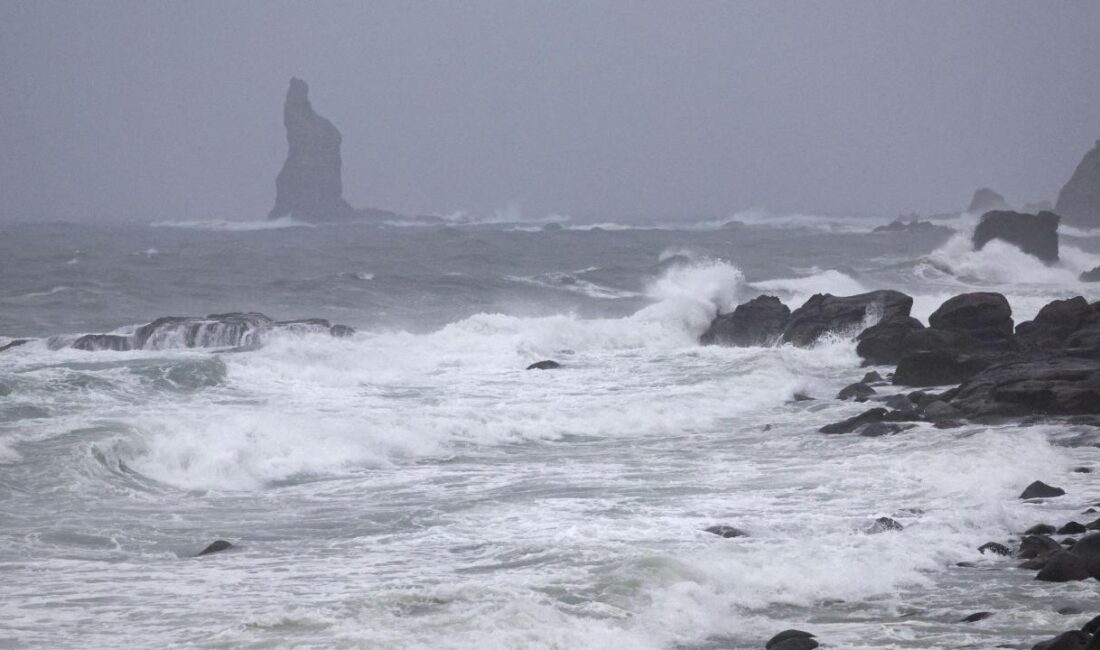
414, 486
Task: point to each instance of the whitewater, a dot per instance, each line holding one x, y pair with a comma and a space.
413, 486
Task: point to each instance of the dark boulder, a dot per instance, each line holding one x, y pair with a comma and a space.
939, 411
871, 378
1063, 566
913, 226
825, 313
215, 547
858, 391
938, 368
977, 616
1034, 234
1034, 546
786, 636
341, 331
1055, 322
888, 340
1040, 490
1079, 200
1040, 529
1059, 385
1088, 549
728, 532
759, 321
1072, 528
879, 429
547, 364
987, 317
13, 344
985, 200
994, 548
1072, 640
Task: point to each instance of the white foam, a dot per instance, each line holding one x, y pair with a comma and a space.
234, 226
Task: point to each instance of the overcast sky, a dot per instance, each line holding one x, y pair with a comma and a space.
157, 110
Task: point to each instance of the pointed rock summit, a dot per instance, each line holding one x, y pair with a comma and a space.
1079, 201
309, 187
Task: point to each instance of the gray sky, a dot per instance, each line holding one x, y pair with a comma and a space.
157, 110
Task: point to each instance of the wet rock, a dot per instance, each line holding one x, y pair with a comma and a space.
728, 532
871, 378
1088, 549
544, 365
879, 429
938, 368
801, 397
341, 331
309, 187
1034, 234
977, 616
1072, 528
1040, 529
884, 524
1069, 610
1058, 385
1082, 470
1092, 627
984, 316
867, 417
1072, 640
1068, 542
1033, 546
887, 341
13, 344
824, 313
1040, 490
1092, 275
791, 640
97, 342
858, 391
759, 321
1063, 566
1055, 322
994, 548
1079, 200
215, 547
938, 411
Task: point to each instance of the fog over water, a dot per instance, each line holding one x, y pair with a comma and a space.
134, 110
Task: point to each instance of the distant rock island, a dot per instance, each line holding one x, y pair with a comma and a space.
1079, 201
985, 200
309, 187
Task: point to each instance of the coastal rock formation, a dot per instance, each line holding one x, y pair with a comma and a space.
1035, 234
309, 187
913, 225
824, 313
232, 330
1079, 200
759, 321
1055, 322
985, 200
1055, 385
1091, 276
981, 316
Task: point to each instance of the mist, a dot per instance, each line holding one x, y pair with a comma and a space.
148, 111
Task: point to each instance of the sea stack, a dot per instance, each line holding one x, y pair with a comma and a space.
1035, 234
1079, 201
985, 200
309, 187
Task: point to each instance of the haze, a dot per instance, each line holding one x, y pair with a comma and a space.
151, 111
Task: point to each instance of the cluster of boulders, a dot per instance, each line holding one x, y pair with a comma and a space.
1046, 366
232, 330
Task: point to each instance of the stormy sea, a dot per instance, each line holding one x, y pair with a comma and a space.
363, 431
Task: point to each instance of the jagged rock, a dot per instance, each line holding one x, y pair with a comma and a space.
309, 187
1055, 322
887, 341
1058, 385
726, 531
824, 313
1034, 234
1079, 200
985, 200
548, 364
791, 640
759, 321
215, 547
1040, 490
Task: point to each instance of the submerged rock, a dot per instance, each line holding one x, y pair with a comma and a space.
309, 187
215, 547
728, 532
976, 616
883, 524
1034, 234
1040, 490
547, 364
994, 548
759, 321
13, 344
858, 391
791, 640
1079, 200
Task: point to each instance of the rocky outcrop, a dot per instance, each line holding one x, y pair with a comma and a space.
825, 313
1035, 234
1056, 322
1079, 200
1054, 385
216, 331
1091, 276
913, 225
759, 321
982, 317
888, 340
985, 200
309, 187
